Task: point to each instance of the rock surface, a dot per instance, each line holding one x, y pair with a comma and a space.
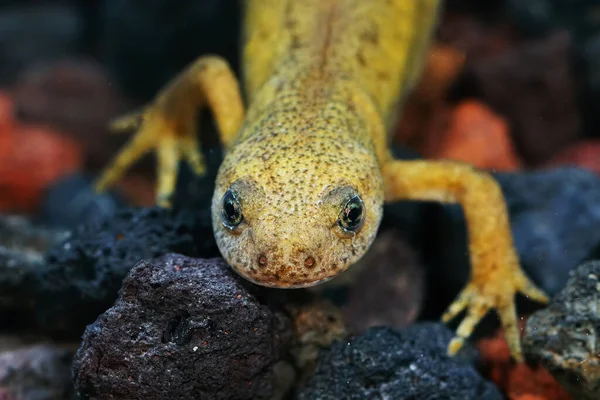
182, 328
406, 364
565, 337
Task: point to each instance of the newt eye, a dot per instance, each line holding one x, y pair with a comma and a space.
231, 211
352, 217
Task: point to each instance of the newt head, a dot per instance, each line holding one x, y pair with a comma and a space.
296, 220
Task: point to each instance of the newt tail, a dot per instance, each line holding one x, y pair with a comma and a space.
307, 167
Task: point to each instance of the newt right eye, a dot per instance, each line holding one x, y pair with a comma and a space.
231, 212
352, 217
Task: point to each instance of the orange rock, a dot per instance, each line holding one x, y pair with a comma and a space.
443, 66
584, 154
36, 157
530, 397
441, 70
475, 135
519, 381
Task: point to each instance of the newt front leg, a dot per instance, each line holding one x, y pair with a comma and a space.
169, 124
496, 275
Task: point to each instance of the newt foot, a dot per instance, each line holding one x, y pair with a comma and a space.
172, 141
497, 292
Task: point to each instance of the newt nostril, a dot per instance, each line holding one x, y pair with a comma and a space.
262, 260
309, 262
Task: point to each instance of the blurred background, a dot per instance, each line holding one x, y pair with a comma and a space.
509, 85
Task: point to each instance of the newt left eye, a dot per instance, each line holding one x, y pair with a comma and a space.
352, 217
231, 212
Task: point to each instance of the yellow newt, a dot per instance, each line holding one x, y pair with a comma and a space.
307, 168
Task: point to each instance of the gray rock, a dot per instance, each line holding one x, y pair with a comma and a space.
565, 336
38, 372
182, 328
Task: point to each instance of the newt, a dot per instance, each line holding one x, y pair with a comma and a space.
307, 167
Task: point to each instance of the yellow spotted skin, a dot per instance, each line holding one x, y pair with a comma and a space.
324, 81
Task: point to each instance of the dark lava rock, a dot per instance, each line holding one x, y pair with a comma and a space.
40, 372
182, 328
146, 43
406, 364
72, 201
35, 33
91, 265
546, 116
565, 337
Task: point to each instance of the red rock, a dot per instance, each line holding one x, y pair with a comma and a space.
475, 135
6, 122
36, 157
421, 111
584, 154
519, 381
76, 97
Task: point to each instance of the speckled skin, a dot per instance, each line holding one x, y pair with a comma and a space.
324, 80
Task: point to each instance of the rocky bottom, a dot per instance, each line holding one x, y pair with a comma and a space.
139, 305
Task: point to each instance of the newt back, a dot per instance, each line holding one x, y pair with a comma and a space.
379, 45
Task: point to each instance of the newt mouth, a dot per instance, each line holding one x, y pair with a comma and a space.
278, 282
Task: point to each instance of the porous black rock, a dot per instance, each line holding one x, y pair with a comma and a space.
565, 336
182, 328
84, 273
397, 364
